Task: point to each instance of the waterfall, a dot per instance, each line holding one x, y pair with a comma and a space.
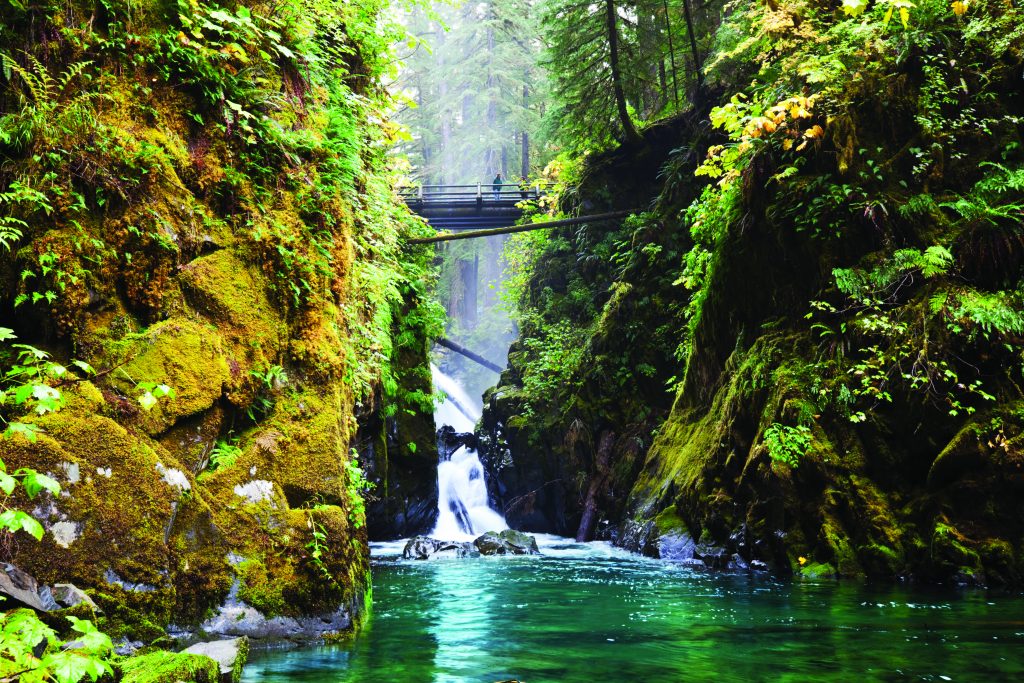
462, 509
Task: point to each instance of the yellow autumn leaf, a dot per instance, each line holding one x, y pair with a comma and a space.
854, 8
814, 131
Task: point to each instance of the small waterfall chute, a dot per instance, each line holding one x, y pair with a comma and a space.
463, 512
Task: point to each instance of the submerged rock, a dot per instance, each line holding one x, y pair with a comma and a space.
678, 547
424, 547
507, 542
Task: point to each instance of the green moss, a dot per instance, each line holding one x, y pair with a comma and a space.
187, 355
953, 552
169, 667
262, 588
818, 570
121, 519
233, 295
669, 522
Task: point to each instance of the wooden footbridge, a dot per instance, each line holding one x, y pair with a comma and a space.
471, 207
468, 211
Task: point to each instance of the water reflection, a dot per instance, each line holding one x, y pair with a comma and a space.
586, 613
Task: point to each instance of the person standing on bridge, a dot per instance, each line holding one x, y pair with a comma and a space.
496, 186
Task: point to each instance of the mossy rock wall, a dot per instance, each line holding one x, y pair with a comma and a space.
257, 279
912, 473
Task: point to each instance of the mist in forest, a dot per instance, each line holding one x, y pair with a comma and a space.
473, 92
504, 86
473, 98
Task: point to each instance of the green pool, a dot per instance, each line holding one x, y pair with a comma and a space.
593, 613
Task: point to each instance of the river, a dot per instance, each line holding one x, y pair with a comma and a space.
590, 612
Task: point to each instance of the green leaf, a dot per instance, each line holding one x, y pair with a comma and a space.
29, 431
17, 520
147, 401
22, 393
84, 367
35, 483
6, 334
7, 483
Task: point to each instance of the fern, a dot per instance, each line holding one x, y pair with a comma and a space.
995, 198
49, 111
998, 314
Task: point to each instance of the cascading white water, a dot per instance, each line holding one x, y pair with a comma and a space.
462, 509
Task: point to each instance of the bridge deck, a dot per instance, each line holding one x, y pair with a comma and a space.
470, 207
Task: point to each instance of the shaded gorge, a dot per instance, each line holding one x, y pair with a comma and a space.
585, 612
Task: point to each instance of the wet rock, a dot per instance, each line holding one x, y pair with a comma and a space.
126, 647
678, 547
423, 548
713, 556
518, 539
449, 441
70, 595
230, 655
22, 588
236, 618
507, 542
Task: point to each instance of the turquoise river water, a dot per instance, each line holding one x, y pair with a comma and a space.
593, 613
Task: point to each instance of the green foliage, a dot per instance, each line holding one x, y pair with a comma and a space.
51, 108
990, 315
33, 483
356, 487
555, 352
30, 651
86, 655
472, 86
654, 68
786, 444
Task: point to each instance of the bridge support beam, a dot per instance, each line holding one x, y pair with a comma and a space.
469, 234
448, 344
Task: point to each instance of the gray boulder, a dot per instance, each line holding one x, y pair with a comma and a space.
508, 542
70, 595
423, 548
230, 655
21, 587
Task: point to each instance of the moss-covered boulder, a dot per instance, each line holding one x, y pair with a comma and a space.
169, 667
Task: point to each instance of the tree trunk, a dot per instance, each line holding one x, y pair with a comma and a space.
494, 156
447, 165
693, 44
628, 129
672, 49
524, 165
588, 521
472, 275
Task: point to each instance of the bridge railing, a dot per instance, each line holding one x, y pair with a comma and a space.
479, 192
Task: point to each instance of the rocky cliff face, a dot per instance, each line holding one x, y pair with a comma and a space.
203, 203
843, 301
